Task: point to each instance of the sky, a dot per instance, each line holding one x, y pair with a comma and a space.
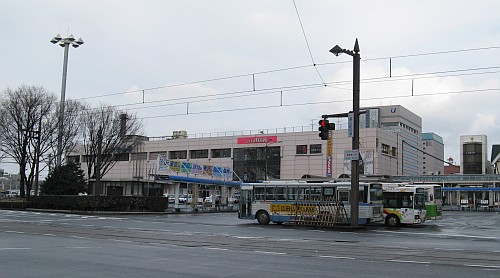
226, 66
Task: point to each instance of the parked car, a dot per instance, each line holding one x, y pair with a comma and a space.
209, 199
186, 198
171, 197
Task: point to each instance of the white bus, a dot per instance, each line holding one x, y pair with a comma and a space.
286, 201
403, 204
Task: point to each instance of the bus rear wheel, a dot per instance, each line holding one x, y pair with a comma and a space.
392, 220
263, 217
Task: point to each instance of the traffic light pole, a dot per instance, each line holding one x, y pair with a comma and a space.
337, 50
355, 138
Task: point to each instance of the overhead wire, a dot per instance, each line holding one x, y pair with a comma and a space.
307, 42
264, 91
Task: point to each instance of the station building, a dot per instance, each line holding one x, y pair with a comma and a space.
391, 143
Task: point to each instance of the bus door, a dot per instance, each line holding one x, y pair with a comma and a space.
246, 204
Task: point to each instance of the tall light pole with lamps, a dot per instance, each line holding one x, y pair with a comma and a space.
63, 42
337, 50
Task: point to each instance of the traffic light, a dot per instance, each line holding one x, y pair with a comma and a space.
324, 128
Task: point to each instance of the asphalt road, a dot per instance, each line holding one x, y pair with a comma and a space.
38, 244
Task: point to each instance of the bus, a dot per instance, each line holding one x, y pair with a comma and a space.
403, 204
313, 203
433, 200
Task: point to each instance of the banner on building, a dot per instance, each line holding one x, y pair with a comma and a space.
193, 168
366, 163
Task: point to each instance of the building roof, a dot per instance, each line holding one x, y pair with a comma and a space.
432, 136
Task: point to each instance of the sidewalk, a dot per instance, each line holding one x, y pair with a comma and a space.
471, 209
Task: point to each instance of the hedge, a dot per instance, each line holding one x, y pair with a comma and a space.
99, 203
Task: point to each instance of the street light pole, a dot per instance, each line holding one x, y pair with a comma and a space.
337, 50
63, 42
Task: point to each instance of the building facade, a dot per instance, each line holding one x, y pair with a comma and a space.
473, 151
390, 144
432, 154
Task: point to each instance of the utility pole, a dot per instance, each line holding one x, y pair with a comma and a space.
337, 50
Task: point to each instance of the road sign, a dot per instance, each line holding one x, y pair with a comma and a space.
350, 124
351, 155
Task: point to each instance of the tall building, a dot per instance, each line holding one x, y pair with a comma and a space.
473, 151
432, 155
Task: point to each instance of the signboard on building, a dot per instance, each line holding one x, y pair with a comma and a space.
257, 140
329, 153
366, 164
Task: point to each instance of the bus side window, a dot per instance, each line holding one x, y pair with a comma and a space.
344, 196
292, 193
270, 193
259, 193
280, 193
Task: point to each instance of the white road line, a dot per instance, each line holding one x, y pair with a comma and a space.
248, 237
82, 247
337, 257
404, 261
15, 232
270, 253
216, 248
483, 266
15, 248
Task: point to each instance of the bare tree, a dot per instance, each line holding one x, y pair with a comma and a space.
28, 130
26, 124
105, 140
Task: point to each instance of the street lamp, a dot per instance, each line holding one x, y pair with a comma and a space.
63, 42
337, 50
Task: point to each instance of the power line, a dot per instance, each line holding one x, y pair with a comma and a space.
250, 93
283, 69
313, 103
307, 42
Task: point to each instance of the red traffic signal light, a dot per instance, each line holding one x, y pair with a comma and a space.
324, 127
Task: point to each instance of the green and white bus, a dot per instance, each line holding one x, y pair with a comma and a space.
433, 200
403, 204
288, 201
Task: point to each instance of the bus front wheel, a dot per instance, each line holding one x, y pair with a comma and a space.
392, 220
263, 217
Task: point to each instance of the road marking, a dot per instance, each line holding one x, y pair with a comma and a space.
248, 237
483, 266
404, 261
82, 247
216, 248
15, 232
270, 253
337, 257
16, 248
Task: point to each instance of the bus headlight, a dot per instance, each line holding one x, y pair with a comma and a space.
417, 216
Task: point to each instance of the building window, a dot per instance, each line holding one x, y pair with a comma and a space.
394, 151
301, 149
177, 154
315, 149
385, 149
122, 157
220, 153
73, 158
198, 154
138, 156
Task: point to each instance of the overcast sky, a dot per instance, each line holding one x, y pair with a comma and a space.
150, 48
